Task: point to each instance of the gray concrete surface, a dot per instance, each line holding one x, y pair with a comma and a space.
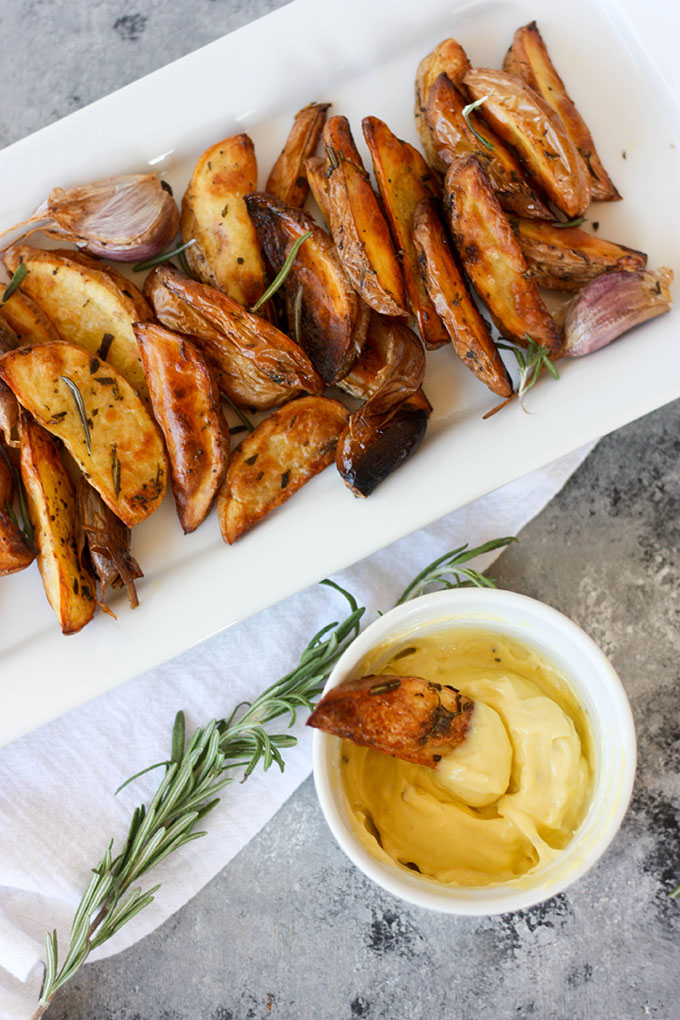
290, 929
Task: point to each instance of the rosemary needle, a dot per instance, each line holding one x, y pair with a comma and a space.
80, 407
283, 272
18, 278
467, 110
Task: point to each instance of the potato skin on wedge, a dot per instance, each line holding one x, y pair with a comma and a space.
127, 464
27, 320
226, 254
492, 258
15, 554
448, 58
103, 542
404, 178
315, 169
51, 505
287, 449
389, 343
287, 180
522, 119
85, 306
403, 716
333, 319
449, 292
566, 258
528, 59
186, 405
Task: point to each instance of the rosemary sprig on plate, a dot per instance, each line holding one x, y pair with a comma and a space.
530, 364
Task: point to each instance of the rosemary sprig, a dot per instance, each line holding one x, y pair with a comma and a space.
530, 364
18, 278
283, 272
449, 571
237, 410
675, 894
165, 256
25, 527
467, 110
80, 407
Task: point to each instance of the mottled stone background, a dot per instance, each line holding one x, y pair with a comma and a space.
290, 929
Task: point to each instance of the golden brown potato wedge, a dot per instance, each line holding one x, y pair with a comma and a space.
226, 253
528, 59
103, 544
186, 405
287, 180
143, 310
332, 318
449, 292
315, 169
51, 504
404, 716
287, 449
389, 342
362, 237
525, 121
452, 137
493, 259
125, 461
85, 307
403, 179
448, 58
27, 320
15, 553
566, 258
9, 409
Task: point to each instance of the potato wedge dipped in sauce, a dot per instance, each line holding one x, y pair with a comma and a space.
286, 450
528, 59
225, 253
255, 364
287, 180
492, 258
101, 420
50, 494
450, 295
185, 403
322, 307
103, 544
15, 552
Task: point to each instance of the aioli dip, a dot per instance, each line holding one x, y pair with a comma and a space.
508, 799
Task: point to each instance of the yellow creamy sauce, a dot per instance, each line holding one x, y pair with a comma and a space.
509, 798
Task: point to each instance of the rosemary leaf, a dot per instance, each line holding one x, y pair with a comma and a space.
283, 272
448, 570
18, 278
530, 365
576, 222
467, 110
237, 410
80, 407
165, 256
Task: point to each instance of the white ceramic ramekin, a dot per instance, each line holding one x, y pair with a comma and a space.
597, 688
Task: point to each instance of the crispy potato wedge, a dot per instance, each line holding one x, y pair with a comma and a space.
525, 121
287, 449
15, 554
332, 318
362, 237
27, 320
493, 259
453, 138
103, 544
448, 58
566, 258
143, 310
403, 179
186, 405
528, 59
85, 307
389, 342
51, 505
9, 409
315, 169
287, 180
449, 292
226, 253
127, 463
404, 716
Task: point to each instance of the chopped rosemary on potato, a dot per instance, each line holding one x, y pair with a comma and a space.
467, 110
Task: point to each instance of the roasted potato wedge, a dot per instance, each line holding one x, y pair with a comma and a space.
404, 716
528, 59
126, 461
143, 310
403, 179
389, 342
9, 409
226, 254
287, 180
186, 405
315, 169
452, 137
525, 121
15, 553
448, 58
332, 318
362, 237
51, 505
449, 292
287, 449
27, 320
493, 259
103, 544
566, 258
85, 307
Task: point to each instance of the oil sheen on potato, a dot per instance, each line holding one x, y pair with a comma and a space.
508, 800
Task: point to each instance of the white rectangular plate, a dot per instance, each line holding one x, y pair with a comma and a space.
362, 57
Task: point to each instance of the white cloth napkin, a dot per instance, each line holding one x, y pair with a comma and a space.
57, 808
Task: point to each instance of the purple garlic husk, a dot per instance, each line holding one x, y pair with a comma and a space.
612, 304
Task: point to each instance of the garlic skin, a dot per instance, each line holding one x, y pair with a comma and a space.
125, 219
611, 304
